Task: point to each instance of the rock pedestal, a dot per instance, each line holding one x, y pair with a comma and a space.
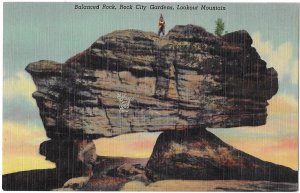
200, 155
73, 157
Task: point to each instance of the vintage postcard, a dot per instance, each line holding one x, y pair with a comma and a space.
128, 96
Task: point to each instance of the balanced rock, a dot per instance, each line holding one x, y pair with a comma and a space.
134, 81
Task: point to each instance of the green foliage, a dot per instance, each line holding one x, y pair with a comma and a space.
220, 26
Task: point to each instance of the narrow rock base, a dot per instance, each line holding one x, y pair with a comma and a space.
73, 157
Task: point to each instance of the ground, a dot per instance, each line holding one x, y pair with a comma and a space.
114, 174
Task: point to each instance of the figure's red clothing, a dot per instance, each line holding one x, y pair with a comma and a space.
161, 24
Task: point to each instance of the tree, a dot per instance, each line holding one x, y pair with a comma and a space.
219, 27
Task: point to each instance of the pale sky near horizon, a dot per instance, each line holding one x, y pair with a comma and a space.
56, 31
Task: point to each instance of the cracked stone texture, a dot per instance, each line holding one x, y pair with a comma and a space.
187, 79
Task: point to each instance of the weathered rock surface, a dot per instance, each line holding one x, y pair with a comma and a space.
187, 79
200, 155
73, 158
129, 171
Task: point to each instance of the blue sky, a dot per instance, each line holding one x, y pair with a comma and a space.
56, 31
34, 31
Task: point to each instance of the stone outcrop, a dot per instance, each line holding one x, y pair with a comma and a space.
133, 81
189, 78
200, 155
73, 157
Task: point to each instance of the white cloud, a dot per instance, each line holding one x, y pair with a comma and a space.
278, 57
21, 147
20, 86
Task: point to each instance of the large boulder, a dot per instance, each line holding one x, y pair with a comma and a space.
134, 81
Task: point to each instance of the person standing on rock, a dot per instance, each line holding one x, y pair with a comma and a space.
161, 25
